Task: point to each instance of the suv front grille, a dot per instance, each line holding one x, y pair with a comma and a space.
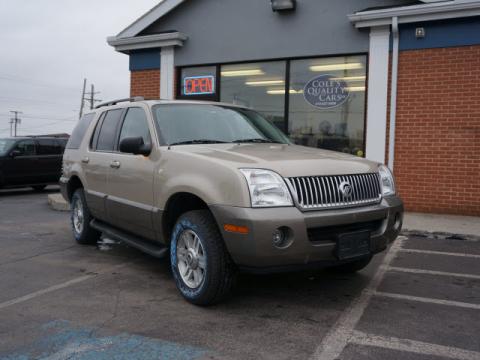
327, 192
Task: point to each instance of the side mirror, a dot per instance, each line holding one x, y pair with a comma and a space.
15, 153
135, 146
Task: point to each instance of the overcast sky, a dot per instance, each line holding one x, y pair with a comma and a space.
48, 47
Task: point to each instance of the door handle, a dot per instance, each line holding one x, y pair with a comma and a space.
85, 160
115, 164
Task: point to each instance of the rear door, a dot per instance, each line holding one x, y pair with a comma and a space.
130, 181
97, 160
23, 168
49, 154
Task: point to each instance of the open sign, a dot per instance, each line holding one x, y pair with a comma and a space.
199, 85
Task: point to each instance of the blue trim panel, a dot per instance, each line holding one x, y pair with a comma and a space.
441, 34
145, 60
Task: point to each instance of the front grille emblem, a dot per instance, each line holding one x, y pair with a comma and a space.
346, 189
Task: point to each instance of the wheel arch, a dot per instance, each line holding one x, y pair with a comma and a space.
177, 205
73, 184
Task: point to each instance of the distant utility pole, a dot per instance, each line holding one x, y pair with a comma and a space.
82, 103
88, 96
15, 121
92, 99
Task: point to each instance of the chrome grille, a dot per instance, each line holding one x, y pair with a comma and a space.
325, 192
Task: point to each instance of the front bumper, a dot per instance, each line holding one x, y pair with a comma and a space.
255, 251
63, 182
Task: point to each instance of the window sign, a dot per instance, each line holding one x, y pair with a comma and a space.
199, 85
327, 103
199, 82
326, 91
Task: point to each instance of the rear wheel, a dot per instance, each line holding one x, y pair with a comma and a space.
201, 266
80, 220
39, 187
354, 266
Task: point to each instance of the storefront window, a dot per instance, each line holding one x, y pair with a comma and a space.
327, 103
199, 82
260, 86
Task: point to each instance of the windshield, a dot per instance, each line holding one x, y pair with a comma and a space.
5, 145
210, 124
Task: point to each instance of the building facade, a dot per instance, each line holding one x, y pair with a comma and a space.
395, 81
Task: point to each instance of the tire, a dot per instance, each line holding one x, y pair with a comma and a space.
39, 187
354, 266
201, 266
80, 218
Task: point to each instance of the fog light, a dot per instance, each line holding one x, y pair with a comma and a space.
282, 238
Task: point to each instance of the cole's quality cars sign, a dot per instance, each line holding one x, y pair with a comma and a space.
326, 91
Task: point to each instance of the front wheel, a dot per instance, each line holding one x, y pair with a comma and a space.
80, 220
201, 266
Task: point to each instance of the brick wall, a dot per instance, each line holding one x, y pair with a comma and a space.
437, 152
145, 83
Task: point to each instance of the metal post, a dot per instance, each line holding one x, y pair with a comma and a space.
83, 97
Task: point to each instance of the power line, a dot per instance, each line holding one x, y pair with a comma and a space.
35, 83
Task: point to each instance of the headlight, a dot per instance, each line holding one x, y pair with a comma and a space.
267, 188
388, 183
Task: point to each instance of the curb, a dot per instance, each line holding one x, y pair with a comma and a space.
58, 203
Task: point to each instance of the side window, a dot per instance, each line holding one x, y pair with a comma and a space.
48, 147
135, 125
108, 130
25, 147
79, 131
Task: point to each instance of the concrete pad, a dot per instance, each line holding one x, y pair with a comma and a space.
452, 224
57, 202
361, 352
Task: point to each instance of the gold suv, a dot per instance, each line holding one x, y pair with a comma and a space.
219, 189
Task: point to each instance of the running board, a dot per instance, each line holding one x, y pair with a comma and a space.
156, 250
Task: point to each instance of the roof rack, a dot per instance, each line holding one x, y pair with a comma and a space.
115, 102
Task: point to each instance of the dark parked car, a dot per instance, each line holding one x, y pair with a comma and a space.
31, 161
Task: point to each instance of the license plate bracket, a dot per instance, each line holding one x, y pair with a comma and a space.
352, 245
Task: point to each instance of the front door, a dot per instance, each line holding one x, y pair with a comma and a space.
21, 167
130, 181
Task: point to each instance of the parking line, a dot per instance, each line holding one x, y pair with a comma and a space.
432, 252
338, 337
428, 300
50, 289
432, 272
413, 346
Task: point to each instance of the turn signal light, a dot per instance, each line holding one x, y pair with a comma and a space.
235, 229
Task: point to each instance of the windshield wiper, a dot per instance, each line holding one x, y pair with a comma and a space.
257, 140
197, 141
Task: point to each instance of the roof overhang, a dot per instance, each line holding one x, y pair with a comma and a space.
126, 45
163, 8
416, 13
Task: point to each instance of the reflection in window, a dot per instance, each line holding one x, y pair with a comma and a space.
251, 84
327, 103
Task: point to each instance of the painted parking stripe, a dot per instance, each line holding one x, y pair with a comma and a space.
412, 346
432, 252
432, 272
428, 300
338, 337
63, 285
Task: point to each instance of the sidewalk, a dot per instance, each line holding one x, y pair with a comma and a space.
452, 224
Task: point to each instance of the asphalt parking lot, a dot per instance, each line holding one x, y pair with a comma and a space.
59, 300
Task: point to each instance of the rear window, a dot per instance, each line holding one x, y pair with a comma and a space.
79, 131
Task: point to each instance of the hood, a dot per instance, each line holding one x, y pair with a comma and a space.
287, 160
